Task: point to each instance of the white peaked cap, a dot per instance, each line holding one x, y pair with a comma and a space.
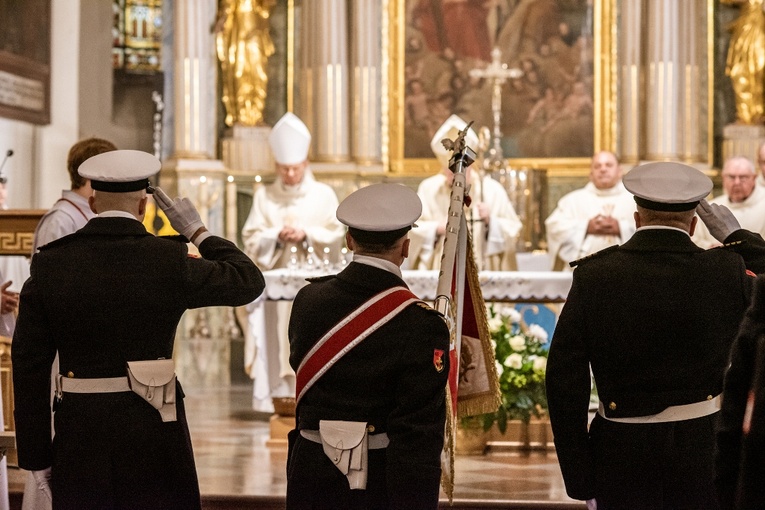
667, 186
449, 129
290, 140
383, 207
120, 171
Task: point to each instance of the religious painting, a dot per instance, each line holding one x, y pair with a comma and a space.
25, 60
441, 61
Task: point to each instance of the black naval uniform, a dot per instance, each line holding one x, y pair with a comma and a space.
108, 294
389, 380
740, 460
655, 318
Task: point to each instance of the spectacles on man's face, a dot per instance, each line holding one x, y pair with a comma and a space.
742, 178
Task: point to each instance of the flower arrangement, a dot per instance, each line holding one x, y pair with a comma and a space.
521, 360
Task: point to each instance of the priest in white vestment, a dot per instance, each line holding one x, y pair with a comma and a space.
592, 218
492, 221
744, 198
288, 217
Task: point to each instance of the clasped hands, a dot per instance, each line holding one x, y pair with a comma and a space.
603, 226
291, 235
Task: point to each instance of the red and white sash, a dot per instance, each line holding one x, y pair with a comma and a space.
348, 333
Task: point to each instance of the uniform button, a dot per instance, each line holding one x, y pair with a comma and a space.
371, 428
709, 397
70, 374
612, 406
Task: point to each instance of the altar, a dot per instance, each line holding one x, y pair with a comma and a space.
497, 286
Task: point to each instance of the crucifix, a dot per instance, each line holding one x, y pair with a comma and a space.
498, 73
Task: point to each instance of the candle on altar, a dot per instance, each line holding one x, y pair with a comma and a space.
231, 212
204, 206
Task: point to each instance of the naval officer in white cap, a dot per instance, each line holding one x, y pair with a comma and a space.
379, 383
109, 294
288, 217
493, 222
654, 318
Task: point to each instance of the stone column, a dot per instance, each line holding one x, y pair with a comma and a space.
676, 97
324, 73
193, 171
204, 336
630, 83
366, 61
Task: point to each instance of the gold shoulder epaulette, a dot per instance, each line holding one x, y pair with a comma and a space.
593, 255
732, 244
426, 306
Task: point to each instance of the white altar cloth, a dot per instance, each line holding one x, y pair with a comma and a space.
510, 286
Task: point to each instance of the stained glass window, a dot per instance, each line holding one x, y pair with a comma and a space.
137, 35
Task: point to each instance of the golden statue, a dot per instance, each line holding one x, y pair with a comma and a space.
243, 45
745, 63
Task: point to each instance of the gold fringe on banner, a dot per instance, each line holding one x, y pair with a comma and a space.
483, 395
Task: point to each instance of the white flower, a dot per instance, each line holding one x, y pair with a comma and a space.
540, 363
538, 332
500, 368
495, 323
514, 361
493, 344
512, 314
517, 343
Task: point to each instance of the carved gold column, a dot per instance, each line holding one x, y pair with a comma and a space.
366, 58
676, 98
324, 65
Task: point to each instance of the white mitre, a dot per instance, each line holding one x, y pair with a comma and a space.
449, 129
290, 140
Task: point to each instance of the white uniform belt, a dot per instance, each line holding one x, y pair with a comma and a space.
376, 441
672, 413
102, 385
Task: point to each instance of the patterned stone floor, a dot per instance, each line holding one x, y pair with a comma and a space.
232, 458
237, 470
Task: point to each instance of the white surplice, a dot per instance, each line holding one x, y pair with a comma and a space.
567, 237
311, 207
493, 245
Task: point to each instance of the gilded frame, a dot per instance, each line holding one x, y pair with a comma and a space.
603, 92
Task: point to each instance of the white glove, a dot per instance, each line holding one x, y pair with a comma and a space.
592, 504
719, 220
181, 212
42, 479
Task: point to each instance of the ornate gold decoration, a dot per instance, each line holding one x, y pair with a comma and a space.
243, 45
17, 228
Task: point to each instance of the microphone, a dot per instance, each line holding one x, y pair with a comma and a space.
3, 178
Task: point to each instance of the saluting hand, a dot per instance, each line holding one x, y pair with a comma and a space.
181, 212
719, 219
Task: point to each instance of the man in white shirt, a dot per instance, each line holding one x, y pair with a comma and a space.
591, 218
742, 196
71, 212
492, 220
295, 212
